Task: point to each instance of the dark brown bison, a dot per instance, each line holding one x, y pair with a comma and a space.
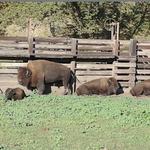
102, 86
40, 73
142, 88
14, 94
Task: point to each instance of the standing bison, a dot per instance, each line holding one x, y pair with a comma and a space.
142, 88
14, 94
40, 73
102, 86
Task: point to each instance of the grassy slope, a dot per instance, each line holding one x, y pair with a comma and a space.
75, 123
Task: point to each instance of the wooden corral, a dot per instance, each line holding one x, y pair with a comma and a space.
127, 60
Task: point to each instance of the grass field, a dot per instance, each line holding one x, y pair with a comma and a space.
75, 123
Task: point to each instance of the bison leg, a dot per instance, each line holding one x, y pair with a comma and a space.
66, 85
41, 87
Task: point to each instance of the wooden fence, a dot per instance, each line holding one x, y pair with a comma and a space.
57, 48
127, 60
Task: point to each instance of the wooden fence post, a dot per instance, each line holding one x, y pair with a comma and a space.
132, 48
30, 38
74, 46
115, 47
132, 55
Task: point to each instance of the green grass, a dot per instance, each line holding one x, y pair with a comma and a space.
75, 123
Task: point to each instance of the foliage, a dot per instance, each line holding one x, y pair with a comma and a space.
75, 122
79, 19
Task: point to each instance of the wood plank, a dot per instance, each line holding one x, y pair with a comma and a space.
53, 39
14, 53
12, 65
147, 53
125, 64
141, 71
125, 84
144, 44
14, 45
94, 73
53, 56
94, 47
95, 55
94, 41
123, 77
143, 59
144, 77
123, 71
52, 46
93, 66
8, 71
144, 66
13, 38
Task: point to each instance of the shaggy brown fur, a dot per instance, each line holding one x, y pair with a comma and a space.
102, 86
14, 94
38, 73
142, 88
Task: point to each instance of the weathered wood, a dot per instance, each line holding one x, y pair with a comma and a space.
123, 71
94, 41
94, 47
124, 84
146, 44
30, 37
98, 56
132, 47
142, 71
74, 47
94, 73
125, 64
12, 65
53, 56
14, 53
14, 45
123, 77
8, 71
144, 77
143, 53
53, 40
93, 66
13, 38
52, 46
143, 66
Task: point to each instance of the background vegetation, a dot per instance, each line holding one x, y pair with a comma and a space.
75, 123
75, 19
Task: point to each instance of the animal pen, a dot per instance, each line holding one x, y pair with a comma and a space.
126, 60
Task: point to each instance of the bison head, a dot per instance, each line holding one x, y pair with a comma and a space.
24, 76
114, 85
9, 93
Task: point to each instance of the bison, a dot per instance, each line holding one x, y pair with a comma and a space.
14, 94
142, 88
40, 73
102, 86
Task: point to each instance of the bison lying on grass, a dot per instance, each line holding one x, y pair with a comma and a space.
142, 88
102, 86
14, 94
40, 73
